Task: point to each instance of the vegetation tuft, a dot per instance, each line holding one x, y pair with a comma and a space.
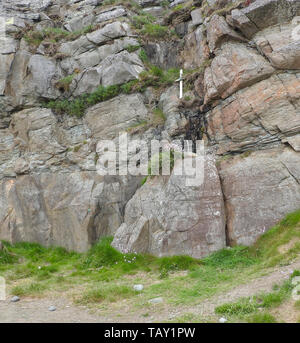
104, 274
54, 35
154, 77
252, 305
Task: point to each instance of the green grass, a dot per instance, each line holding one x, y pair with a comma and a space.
110, 293
176, 263
132, 48
159, 115
251, 305
143, 56
141, 126
147, 27
54, 35
30, 289
155, 31
139, 21
67, 80
261, 318
154, 77
6, 258
243, 306
78, 106
266, 248
104, 275
178, 7
55, 266
64, 83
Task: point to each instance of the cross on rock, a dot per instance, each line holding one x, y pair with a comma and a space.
180, 80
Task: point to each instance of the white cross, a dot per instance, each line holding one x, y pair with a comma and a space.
180, 80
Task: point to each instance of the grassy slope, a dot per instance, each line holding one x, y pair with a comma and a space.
103, 275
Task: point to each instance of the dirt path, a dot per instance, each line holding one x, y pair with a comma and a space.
262, 284
37, 310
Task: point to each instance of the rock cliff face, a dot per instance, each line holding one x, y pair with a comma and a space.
99, 61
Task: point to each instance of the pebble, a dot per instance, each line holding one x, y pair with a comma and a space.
222, 320
52, 308
156, 301
138, 288
14, 299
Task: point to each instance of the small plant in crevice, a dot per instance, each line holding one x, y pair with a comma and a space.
143, 56
159, 117
132, 48
54, 35
139, 21
178, 7
77, 106
153, 77
145, 24
155, 31
64, 83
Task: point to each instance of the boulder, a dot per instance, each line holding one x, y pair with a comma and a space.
167, 217
8, 45
235, 67
47, 143
157, 12
80, 22
120, 68
72, 210
109, 32
33, 77
259, 190
76, 47
218, 31
279, 46
265, 13
111, 13
174, 3
197, 17
95, 56
114, 70
50, 209
35, 132
243, 23
287, 57
258, 116
108, 118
